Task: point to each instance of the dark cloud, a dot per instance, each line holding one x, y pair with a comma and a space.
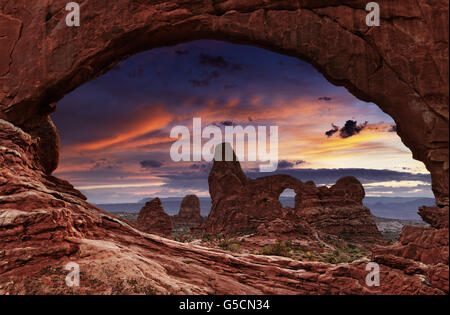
219, 62
200, 83
351, 128
393, 128
151, 164
213, 61
228, 86
330, 176
236, 67
205, 80
199, 166
226, 123
181, 52
331, 132
285, 164
299, 162
103, 164
136, 73
325, 98
223, 123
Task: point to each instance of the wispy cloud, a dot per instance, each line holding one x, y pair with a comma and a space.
132, 128
114, 186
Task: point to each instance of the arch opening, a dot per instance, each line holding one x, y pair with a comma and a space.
323, 128
293, 31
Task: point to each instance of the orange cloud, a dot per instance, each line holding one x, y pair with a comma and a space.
144, 123
114, 186
135, 144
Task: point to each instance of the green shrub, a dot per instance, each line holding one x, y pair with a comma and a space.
345, 254
206, 238
230, 245
280, 248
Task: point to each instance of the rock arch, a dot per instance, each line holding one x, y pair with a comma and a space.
402, 66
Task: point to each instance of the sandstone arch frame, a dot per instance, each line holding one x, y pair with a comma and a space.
402, 66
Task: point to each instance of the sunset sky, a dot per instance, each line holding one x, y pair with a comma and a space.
115, 130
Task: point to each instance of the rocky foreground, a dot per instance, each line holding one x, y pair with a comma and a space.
389, 228
392, 228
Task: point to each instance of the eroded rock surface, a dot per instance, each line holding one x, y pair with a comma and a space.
436, 216
422, 251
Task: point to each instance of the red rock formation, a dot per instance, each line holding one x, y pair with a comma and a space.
240, 204
284, 226
421, 251
436, 216
402, 66
189, 214
338, 210
153, 219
